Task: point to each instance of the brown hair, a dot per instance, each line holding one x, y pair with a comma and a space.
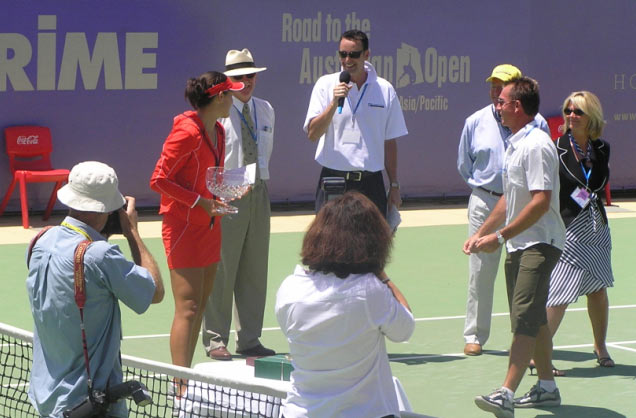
526, 90
348, 236
195, 90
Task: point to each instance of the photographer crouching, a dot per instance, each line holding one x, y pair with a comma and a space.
76, 280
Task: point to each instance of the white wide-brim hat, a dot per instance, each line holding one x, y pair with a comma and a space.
92, 187
240, 63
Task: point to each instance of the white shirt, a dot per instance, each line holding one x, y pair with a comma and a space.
531, 164
263, 117
370, 116
335, 329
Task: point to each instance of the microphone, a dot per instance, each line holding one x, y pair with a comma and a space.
345, 77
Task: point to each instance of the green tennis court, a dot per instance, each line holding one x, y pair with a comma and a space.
429, 267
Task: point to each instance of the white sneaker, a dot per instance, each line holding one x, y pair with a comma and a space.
538, 397
497, 403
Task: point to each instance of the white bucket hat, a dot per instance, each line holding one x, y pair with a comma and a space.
92, 187
240, 63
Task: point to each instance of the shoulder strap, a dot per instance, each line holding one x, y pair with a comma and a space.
80, 300
78, 273
34, 240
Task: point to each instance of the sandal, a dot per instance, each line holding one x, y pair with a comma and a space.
604, 361
555, 372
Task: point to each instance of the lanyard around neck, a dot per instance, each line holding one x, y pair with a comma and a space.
244, 122
354, 110
578, 151
76, 229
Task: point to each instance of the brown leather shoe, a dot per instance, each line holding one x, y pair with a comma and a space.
220, 353
472, 349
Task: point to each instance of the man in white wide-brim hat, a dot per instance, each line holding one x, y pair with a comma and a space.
242, 272
59, 376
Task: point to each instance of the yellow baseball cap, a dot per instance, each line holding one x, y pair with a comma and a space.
504, 72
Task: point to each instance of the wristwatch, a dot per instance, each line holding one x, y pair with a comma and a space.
500, 237
395, 185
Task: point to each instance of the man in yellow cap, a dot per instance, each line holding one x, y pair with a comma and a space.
480, 160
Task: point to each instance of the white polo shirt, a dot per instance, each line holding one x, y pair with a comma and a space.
531, 164
355, 138
263, 117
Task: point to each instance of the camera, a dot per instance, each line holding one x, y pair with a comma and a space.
333, 187
96, 403
113, 224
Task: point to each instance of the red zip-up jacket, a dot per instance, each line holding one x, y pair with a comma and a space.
179, 175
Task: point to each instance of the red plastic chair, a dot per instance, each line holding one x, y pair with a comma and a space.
555, 123
29, 149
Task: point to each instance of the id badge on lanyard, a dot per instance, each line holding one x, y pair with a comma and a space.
351, 135
581, 196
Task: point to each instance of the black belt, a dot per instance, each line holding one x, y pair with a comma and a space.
490, 192
348, 175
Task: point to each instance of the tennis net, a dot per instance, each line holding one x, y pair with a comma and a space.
206, 395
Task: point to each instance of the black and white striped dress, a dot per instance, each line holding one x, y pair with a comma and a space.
585, 265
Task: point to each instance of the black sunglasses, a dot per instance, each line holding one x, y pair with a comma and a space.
351, 54
240, 77
577, 112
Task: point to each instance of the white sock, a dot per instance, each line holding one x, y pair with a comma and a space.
509, 394
548, 385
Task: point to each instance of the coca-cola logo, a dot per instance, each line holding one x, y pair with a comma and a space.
28, 140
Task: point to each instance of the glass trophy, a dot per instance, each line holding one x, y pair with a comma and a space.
228, 185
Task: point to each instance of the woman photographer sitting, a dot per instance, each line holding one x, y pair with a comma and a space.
336, 312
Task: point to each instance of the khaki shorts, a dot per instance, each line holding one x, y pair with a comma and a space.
528, 281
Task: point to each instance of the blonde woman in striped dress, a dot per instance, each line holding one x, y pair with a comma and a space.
585, 264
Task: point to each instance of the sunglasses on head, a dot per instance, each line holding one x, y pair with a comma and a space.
577, 112
240, 77
350, 54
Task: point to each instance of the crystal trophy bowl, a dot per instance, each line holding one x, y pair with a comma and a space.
227, 185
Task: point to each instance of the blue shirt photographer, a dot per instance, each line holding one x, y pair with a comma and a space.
58, 376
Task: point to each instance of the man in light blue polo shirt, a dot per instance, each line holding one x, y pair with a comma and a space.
59, 373
479, 162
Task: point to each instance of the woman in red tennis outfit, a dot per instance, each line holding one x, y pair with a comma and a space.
191, 236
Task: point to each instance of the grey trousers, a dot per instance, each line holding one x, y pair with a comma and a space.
242, 274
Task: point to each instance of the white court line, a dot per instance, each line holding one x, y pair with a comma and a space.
436, 318
617, 345
620, 347
441, 318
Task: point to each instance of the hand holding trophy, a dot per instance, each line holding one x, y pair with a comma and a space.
230, 184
